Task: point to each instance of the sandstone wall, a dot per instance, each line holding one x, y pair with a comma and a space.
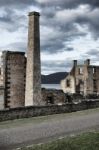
34, 111
14, 78
33, 68
53, 96
2, 103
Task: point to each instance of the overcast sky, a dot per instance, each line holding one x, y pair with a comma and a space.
69, 30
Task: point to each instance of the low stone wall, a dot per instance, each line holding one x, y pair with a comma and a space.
26, 112
52, 96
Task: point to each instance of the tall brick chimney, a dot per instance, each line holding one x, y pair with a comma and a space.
33, 69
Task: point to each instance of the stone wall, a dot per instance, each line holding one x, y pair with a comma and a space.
2, 103
14, 65
86, 79
34, 111
52, 96
68, 84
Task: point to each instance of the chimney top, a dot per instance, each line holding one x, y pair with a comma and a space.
34, 13
87, 62
75, 62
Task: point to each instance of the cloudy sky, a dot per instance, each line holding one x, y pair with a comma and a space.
69, 30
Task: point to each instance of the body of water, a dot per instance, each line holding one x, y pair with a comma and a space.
51, 86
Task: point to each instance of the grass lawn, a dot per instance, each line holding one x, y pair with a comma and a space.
86, 141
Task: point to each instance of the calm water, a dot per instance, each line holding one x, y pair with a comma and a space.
51, 86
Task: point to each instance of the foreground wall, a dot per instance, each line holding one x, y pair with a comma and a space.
26, 112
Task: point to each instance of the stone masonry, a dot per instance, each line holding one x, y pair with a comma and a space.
82, 79
33, 70
2, 103
14, 66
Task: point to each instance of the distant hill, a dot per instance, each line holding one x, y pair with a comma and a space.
54, 78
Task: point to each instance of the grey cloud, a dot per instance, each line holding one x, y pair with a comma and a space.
18, 46
91, 19
5, 19
48, 12
68, 3
50, 9
60, 43
67, 29
69, 49
93, 52
8, 15
55, 66
19, 3
52, 46
11, 21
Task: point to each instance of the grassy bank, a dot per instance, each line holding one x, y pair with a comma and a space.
87, 141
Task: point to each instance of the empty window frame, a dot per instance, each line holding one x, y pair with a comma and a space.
68, 82
94, 70
80, 70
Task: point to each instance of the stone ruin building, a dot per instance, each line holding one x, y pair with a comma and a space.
13, 79
20, 86
20, 77
82, 79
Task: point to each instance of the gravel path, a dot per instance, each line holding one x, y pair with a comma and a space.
32, 133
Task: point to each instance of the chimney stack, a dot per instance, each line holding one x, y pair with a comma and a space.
75, 63
87, 62
33, 69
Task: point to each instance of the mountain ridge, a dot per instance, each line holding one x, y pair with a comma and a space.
53, 78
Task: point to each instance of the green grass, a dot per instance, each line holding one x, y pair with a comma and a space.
40, 119
86, 141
